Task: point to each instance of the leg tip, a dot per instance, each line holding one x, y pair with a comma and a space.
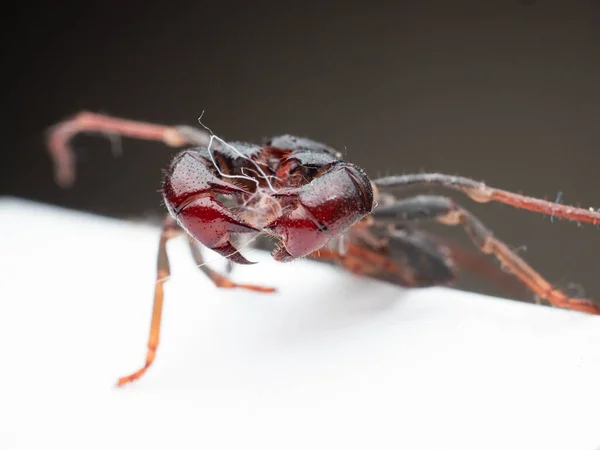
123, 381
252, 287
134, 376
583, 305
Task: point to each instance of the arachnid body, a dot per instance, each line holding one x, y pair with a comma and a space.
313, 204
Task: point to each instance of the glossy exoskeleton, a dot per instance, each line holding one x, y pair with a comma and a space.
295, 190
313, 204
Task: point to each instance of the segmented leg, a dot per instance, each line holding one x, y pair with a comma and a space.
477, 264
358, 260
219, 279
415, 258
163, 271
445, 211
60, 134
482, 193
170, 229
409, 259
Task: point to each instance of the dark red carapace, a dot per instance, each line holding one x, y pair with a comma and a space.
313, 204
304, 196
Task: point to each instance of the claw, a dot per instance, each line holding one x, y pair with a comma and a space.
211, 224
231, 253
189, 189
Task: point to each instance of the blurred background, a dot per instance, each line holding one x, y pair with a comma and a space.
502, 91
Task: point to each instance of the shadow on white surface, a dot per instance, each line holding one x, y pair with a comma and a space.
329, 361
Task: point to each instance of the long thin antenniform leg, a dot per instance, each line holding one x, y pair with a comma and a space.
163, 271
444, 210
60, 134
482, 193
219, 279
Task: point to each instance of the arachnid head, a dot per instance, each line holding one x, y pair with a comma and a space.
320, 210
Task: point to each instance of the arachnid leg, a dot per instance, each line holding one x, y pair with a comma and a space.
445, 211
163, 271
482, 193
217, 278
409, 259
170, 229
60, 134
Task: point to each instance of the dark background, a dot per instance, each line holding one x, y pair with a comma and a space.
507, 92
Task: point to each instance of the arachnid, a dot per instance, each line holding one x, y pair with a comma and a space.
313, 204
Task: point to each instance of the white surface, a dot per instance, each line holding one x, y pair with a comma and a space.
330, 361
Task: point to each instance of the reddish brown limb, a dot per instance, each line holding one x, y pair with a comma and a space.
163, 271
60, 134
478, 265
220, 280
380, 264
530, 277
444, 210
482, 193
356, 260
366, 262
170, 229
